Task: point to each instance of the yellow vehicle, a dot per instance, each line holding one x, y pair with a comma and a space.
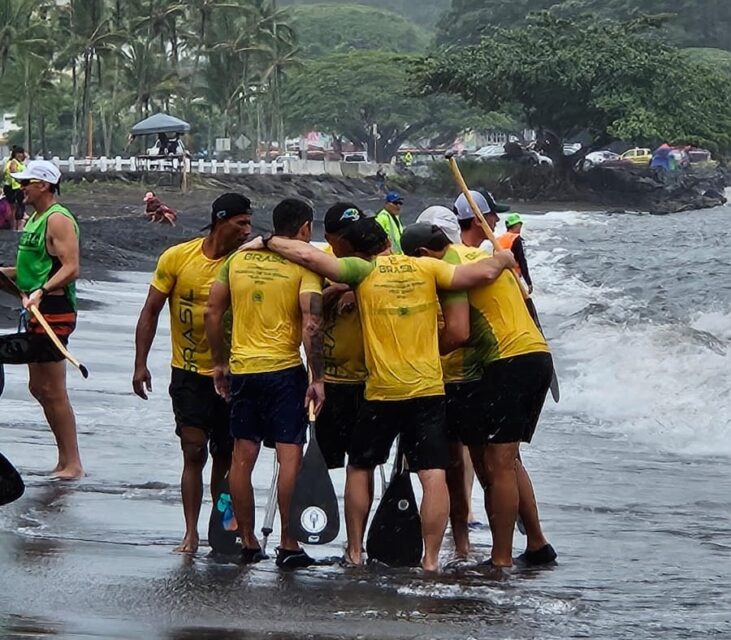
638, 155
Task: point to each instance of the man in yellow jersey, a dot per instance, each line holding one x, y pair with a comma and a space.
46, 270
459, 377
277, 306
404, 393
517, 367
343, 354
183, 279
511, 240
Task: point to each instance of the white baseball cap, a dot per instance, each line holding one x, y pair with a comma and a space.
485, 203
39, 170
444, 219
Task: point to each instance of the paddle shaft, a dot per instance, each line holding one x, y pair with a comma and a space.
267, 529
9, 285
459, 179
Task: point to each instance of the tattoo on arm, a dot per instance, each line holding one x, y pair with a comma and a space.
313, 333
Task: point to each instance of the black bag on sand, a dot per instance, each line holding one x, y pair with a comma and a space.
394, 537
222, 532
11, 484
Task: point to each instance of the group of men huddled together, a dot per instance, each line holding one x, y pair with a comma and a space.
412, 332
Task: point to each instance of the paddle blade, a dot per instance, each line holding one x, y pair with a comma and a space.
222, 526
11, 484
555, 391
314, 516
2, 378
394, 537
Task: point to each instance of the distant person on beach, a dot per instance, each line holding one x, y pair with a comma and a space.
183, 279
512, 241
277, 308
45, 271
157, 211
381, 179
11, 187
390, 221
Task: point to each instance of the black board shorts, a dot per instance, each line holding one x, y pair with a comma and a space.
196, 404
33, 346
335, 424
465, 409
421, 424
514, 390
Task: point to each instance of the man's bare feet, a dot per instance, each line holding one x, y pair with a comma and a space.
189, 544
72, 472
429, 566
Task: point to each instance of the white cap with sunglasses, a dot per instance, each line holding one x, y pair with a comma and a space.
39, 170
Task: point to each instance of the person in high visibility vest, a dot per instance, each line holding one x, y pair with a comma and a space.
389, 219
11, 187
512, 241
408, 159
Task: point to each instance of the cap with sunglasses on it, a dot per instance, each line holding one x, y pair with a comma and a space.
485, 203
39, 170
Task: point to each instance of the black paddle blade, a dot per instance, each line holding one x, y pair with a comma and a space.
2, 378
394, 537
222, 529
11, 484
555, 391
314, 516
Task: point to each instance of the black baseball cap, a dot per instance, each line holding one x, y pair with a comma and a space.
228, 206
421, 234
341, 215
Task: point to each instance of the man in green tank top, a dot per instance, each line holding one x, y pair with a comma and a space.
45, 271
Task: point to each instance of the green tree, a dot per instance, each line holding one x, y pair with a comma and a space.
348, 94
326, 28
615, 80
422, 12
691, 22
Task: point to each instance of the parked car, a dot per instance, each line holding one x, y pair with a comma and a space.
595, 158
489, 152
699, 155
638, 155
355, 156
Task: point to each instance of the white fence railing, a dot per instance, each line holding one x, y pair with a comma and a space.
118, 164
211, 167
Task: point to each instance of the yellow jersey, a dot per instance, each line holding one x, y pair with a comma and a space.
500, 324
342, 343
185, 275
463, 364
267, 321
398, 304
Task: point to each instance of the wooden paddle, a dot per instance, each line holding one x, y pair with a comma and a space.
314, 516
10, 286
11, 484
394, 537
222, 525
459, 179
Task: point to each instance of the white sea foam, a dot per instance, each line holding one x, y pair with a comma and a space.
664, 384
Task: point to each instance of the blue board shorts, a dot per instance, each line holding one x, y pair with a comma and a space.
269, 407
